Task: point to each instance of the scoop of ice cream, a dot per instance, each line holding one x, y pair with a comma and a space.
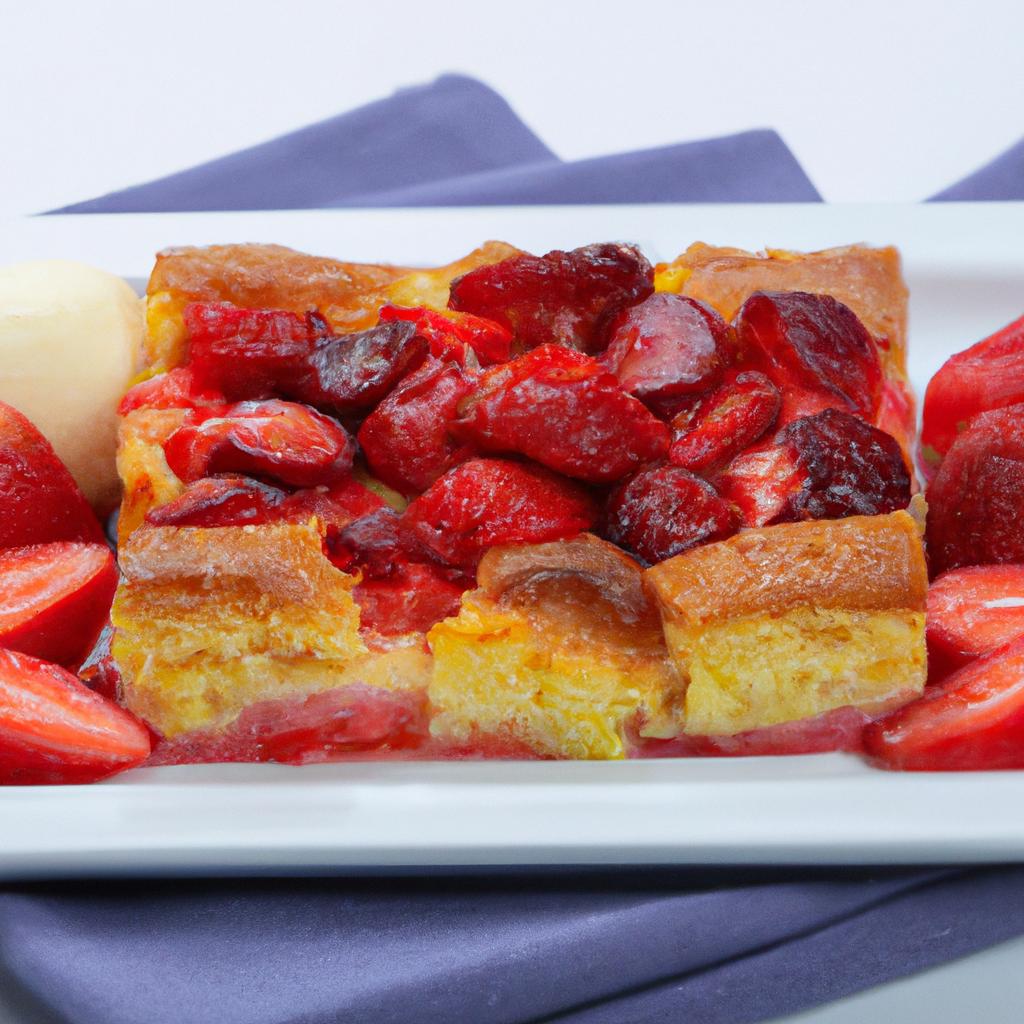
69, 340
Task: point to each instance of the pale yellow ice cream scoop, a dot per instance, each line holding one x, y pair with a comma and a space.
70, 336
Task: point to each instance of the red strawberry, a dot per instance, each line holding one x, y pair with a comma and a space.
971, 612
454, 335
486, 502
988, 375
39, 499
281, 441
972, 721
54, 729
813, 342
976, 501
55, 598
667, 346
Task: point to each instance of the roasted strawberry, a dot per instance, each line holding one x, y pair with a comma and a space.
410, 600
486, 502
39, 499
455, 335
54, 729
727, 421
667, 346
813, 342
176, 389
972, 611
55, 598
988, 375
353, 372
974, 720
250, 353
220, 501
568, 298
281, 441
378, 544
663, 512
405, 439
563, 410
976, 501
819, 467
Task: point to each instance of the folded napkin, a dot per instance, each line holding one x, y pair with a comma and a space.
634, 945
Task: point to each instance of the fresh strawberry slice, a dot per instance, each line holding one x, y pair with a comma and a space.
486, 502
54, 729
280, 441
669, 345
813, 342
972, 721
39, 499
455, 335
988, 375
976, 501
727, 421
55, 598
971, 612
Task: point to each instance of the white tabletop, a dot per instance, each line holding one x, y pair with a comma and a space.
880, 100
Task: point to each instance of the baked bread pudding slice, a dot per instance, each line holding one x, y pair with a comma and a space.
375, 511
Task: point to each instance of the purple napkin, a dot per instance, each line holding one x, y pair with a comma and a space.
626, 947
1003, 178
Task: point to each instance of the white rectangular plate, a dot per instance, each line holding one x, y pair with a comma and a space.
965, 267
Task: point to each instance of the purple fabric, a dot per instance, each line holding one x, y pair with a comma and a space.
1003, 178
635, 946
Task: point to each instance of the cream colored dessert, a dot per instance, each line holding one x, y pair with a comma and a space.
70, 335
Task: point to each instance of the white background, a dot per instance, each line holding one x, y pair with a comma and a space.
879, 99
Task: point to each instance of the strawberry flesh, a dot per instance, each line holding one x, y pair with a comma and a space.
278, 441
726, 422
813, 342
405, 439
667, 346
55, 599
39, 499
971, 612
663, 512
457, 336
54, 729
988, 375
567, 298
564, 410
976, 501
486, 502
972, 721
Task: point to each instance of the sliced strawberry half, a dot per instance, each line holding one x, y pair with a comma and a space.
55, 599
971, 612
973, 721
54, 729
39, 499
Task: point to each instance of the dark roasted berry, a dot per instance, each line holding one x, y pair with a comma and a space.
563, 410
667, 346
486, 502
665, 511
812, 342
568, 298
825, 466
726, 422
220, 501
405, 439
